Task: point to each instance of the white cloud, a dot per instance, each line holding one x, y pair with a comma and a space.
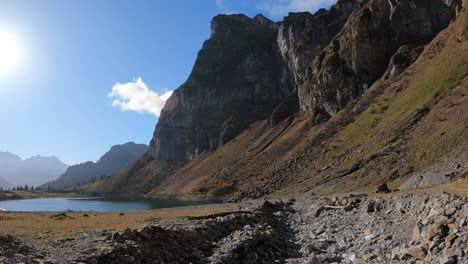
280, 8
224, 7
136, 96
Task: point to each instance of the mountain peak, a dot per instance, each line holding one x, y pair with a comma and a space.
6, 154
32, 171
228, 27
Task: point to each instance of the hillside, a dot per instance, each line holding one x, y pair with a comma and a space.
371, 100
33, 171
113, 160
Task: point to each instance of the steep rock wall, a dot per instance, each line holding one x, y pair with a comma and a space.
360, 53
238, 77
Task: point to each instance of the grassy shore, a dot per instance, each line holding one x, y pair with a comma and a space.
69, 223
9, 195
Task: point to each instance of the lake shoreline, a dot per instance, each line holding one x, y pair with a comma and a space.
17, 195
95, 204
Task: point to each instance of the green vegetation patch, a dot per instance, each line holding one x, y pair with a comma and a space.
436, 79
390, 109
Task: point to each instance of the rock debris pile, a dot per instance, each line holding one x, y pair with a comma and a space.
392, 229
355, 228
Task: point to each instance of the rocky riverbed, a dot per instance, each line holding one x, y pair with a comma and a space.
353, 228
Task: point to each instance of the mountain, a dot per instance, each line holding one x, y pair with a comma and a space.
115, 159
4, 184
368, 92
33, 171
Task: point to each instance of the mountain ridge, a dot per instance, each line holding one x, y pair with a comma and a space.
32, 171
350, 118
114, 159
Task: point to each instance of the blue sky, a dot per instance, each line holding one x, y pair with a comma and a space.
76, 89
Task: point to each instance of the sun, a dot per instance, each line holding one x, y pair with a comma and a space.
9, 52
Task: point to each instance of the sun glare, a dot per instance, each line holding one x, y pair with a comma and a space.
9, 52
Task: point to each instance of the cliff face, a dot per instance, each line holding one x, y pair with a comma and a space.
302, 36
360, 53
316, 102
238, 77
242, 73
249, 66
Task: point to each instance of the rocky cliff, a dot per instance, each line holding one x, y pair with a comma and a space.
238, 78
242, 73
327, 101
360, 53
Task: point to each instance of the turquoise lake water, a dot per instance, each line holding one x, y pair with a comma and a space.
96, 204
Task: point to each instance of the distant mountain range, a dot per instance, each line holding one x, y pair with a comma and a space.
115, 159
33, 171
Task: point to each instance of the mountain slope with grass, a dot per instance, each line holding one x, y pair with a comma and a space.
380, 102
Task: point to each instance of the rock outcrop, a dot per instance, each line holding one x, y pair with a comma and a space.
302, 36
360, 53
238, 78
242, 73
402, 59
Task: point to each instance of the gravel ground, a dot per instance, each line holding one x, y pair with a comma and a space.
354, 228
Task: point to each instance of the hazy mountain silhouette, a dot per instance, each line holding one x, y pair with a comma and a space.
115, 159
5, 184
33, 171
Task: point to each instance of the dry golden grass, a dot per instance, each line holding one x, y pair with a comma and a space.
57, 224
4, 195
458, 187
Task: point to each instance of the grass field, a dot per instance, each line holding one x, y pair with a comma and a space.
55, 224
6, 195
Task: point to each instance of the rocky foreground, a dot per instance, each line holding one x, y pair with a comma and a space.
405, 228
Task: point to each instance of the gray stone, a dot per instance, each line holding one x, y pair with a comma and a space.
418, 252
